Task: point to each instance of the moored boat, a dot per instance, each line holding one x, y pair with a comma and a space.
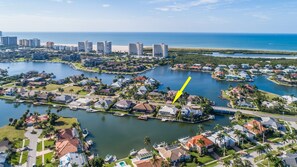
85, 132
143, 117
133, 152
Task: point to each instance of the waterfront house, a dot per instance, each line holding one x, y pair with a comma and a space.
226, 141
81, 102
103, 103
244, 130
206, 68
66, 146
123, 104
168, 111
70, 159
144, 107
244, 103
10, 91
290, 99
150, 81
116, 85
69, 133
174, 154
255, 72
188, 112
140, 79
269, 122
44, 96
63, 99
142, 90
31, 120
231, 77
198, 143
144, 159
255, 127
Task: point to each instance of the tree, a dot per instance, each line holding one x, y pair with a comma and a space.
260, 149
200, 129
218, 127
238, 116
221, 138
247, 163
226, 162
96, 162
147, 141
269, 157
238, 135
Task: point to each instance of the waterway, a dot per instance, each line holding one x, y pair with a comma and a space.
117, 135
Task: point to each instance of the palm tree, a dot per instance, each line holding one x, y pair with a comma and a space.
259, 149
202, 143
221, 138
71, 91
226, 162
200, 129
267, 147
238, 135
269, 157
218, 127
247, 163
147, 140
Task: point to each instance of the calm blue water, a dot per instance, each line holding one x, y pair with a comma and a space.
201, 84
204, 40
107, 129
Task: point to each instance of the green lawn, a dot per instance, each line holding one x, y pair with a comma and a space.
48, 143
39, 160
25, 157
205, 159
39, 146
48, 157
27, 142
15, 158
11, 133
18, 143
64, 123
51, 87
75, 89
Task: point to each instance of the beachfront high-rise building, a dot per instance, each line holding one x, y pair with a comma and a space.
9, 41
33, 43
88, 46
104, 48
135, 49
81, 47
0, 33
50, 45
160, 50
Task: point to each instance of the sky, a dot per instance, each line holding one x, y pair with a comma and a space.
231, 16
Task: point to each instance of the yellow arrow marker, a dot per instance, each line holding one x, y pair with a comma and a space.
180, 92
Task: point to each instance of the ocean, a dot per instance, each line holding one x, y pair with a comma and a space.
282, 42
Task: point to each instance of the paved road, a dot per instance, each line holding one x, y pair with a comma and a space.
32, 145
257, 113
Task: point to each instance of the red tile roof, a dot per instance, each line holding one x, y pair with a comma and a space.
194, 141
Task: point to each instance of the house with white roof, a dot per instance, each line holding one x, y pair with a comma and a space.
168, 111
188, 111
290, 99
142, 90
226, 141
73, 159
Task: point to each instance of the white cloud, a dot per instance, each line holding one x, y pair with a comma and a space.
186, 6
261, 16
106, 5
65, 1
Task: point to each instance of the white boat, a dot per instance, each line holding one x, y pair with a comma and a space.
133, 152
164, 119
89, 110
85, 132
90, 142
110, 158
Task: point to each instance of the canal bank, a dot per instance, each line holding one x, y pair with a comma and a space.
115, 135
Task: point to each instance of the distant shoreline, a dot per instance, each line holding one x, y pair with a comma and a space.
124, 48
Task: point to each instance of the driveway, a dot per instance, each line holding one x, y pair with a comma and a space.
32, 145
